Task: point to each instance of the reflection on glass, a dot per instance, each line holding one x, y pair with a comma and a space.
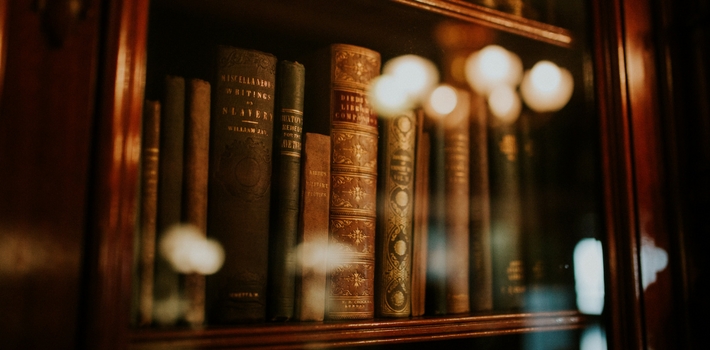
491, 67
504, 104
589, 276
653, 261
189, 251
441, 101
546, 87
593, 338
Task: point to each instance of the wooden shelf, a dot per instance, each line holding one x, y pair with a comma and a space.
336, 334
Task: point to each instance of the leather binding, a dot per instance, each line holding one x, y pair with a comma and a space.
456, 192
481, 280
341, 110
436, 241
395, 214
149, 206
506, 217
420, 218
288, 129
170, 182
197, 134
239, 182
313, 228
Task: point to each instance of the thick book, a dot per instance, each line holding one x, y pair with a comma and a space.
241, 137
339, 79
288, 131
506, 217
481, 280
456, 204
313, 228
420, 220
150, 154
197, 133
170, 184
393, 263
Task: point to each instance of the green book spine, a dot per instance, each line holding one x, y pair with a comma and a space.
241, 144
288, 130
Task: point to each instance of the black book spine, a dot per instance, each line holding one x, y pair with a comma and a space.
239, 186
288, 130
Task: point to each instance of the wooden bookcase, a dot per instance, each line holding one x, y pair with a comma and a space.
72, 200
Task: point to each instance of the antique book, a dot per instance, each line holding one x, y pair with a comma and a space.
435, 293
506, 217
170, 185
197, 133
313, 228
456, 204
420, 218
241, 137
288, 129
150, 154
393, 263
481, 280
336, 93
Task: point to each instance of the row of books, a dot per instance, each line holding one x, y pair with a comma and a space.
324, 209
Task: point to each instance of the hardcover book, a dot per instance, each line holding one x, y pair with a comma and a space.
395, 214
240, 182
481, 281
506, 218
197, 134
337, 93
288, 129
149, 206
420, 218
313, 228
456, 204
170, 182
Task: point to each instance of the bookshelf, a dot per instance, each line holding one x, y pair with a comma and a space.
118, 51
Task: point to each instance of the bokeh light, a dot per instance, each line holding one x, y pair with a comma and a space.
546, 87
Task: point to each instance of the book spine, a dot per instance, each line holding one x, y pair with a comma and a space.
351, 265
394, 234
481, 285
456, 169
313, 228
420, 218
436, 240
197, 133
288, 129
506, 218
149, 207
170, 182
240, 183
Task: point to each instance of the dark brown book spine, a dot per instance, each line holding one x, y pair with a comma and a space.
481, 281
288, 129
345, 114
396, 196
456, 169
170, 180
436, 241
149, 206
313, 228
506, 218
240, 183
420, 218
197, 133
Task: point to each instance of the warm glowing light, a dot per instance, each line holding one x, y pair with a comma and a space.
441, 101
491, 67
504, 104
546, 87
589, 276
388, 96
416, 74
189, 251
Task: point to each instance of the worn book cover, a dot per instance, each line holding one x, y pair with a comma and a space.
339, 78
286, 194
314, 219
395, 214
240, 182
